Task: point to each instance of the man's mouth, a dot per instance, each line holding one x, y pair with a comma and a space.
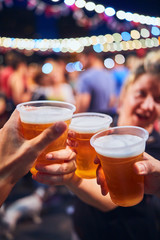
143, 117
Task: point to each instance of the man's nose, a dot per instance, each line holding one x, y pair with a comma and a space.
148, 103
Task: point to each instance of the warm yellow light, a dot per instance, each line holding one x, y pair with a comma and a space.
135, 34
109, 38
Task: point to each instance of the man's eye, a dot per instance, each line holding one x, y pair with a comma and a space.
140, 93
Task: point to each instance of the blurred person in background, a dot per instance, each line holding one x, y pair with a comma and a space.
72, 78
133, 61
96, 86
8, 69
96, 216
10, 60
42, 86
61, 90
17, 81
120, 73
33, 69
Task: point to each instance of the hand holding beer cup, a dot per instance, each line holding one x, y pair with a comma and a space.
119, 149
61, 172
38, 115
83, 126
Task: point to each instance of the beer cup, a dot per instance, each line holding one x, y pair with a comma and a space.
83, 126
118, 149
36, 116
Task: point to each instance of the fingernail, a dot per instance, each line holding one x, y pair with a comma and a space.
141, 168
49, 156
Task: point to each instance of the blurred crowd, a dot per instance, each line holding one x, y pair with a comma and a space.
93, 89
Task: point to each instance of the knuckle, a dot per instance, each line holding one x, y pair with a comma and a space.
64, 168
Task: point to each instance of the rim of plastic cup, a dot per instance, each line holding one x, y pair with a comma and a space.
20, 105
94, 137
96, 128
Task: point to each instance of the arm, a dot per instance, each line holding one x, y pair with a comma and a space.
17, 154
64, 174
83, 95
82, 102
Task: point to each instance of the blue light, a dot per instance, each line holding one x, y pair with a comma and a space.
78, 66
37, 42
70, 67
126, 36
155, 31
109, 11
47, 68
56, 49
97, 48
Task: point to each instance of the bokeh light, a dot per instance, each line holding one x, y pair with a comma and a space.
47, 68
109, 63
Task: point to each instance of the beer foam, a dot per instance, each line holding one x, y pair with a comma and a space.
119, 146
44, 114
90, 123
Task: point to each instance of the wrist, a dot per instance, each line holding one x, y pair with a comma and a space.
75, 181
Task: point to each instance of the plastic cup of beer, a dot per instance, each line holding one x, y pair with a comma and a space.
83, 126
36, 116
118, 149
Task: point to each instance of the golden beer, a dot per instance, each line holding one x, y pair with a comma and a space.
118, 150
83, 126
39, 115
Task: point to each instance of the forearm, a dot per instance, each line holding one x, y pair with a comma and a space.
89, 191
5, 189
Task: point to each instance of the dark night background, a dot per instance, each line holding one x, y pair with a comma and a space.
17, 21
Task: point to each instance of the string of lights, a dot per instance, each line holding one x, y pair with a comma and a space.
135, 39
110, 11
102, 43
40, 7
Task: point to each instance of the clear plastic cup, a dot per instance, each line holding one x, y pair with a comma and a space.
36, 116
83, 126
118, 149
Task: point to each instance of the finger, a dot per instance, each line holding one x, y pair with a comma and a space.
100, 175
147, 167
72, 143
96, 160
66, 154
102, 181
14, 120
71, 134
47, 136
57, 169
52, 179
141, 168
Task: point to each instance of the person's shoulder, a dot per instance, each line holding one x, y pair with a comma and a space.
108, 74
85, 75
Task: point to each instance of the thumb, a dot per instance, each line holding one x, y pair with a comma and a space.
142, 167
47, 136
